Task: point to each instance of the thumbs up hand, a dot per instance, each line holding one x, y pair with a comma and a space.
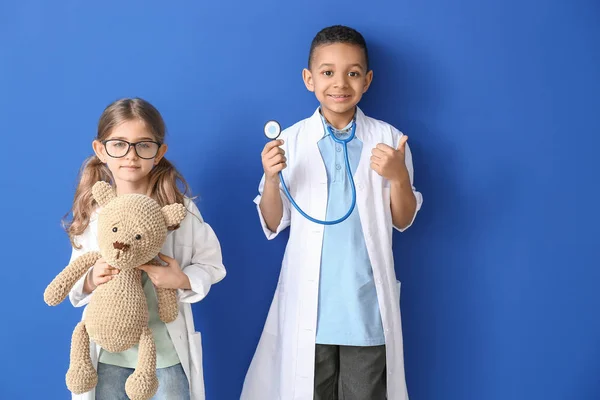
389, 162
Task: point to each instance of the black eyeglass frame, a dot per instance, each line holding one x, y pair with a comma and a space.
129, 147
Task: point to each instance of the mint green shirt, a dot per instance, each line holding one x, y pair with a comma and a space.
166, 356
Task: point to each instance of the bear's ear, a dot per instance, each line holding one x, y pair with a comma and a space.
103, 192
174, 214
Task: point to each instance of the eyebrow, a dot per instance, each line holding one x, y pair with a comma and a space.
331, 65
142, 139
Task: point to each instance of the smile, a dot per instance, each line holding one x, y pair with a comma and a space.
340, 98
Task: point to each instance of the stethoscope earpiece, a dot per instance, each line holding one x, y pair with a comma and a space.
272, 129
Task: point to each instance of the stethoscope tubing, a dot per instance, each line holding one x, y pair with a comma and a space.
344, 143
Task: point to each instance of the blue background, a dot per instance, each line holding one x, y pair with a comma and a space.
499, 99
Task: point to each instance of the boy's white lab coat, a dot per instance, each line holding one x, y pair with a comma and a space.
284, 362
197, 250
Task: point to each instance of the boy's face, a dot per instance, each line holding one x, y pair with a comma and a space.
338, 75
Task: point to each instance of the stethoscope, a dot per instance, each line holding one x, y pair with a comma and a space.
273, 130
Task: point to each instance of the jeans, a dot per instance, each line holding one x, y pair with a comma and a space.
172, 383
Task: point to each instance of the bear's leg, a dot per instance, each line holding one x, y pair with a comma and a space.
143, 383
81, 376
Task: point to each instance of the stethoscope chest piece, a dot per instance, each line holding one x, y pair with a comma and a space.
272, 129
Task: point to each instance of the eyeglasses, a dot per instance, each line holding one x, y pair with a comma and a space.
117, 148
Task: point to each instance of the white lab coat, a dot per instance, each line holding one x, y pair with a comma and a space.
197, 250
284, 361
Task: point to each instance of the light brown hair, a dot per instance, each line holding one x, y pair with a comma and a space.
167, 185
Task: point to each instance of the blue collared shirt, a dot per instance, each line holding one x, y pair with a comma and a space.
348, 311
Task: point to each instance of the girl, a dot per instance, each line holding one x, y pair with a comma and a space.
130, 154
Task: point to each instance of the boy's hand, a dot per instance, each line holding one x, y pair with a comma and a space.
389, 162
273, 160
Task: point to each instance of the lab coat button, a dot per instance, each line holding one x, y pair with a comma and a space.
338, 148
338, 166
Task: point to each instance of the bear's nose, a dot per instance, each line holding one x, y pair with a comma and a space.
120, 246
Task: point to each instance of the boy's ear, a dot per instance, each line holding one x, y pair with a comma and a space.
308, 80
368, 80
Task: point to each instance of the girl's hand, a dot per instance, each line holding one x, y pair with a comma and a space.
168, 276
101, 273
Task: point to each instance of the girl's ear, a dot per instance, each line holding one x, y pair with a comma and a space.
161, 153
103, 193
99, 150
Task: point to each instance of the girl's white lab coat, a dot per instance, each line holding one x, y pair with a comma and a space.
284, 362
197, 250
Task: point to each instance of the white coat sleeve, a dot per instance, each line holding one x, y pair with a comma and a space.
206, 267
76, 295
409, 167
285, 218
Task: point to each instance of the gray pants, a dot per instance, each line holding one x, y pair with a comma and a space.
350, 373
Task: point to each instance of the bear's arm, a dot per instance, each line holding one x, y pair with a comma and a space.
60, 287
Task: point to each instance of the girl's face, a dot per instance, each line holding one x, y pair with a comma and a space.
130, 152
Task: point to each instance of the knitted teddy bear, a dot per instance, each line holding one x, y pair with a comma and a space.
132, 229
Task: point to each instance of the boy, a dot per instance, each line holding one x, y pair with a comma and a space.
333, 329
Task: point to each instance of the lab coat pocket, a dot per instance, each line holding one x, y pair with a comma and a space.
196, 376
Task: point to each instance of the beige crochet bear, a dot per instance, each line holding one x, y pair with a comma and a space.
132, 229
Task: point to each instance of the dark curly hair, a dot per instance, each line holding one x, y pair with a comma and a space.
338, 34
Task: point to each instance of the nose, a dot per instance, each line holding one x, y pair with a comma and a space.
120, 246
340, 82
131, 153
